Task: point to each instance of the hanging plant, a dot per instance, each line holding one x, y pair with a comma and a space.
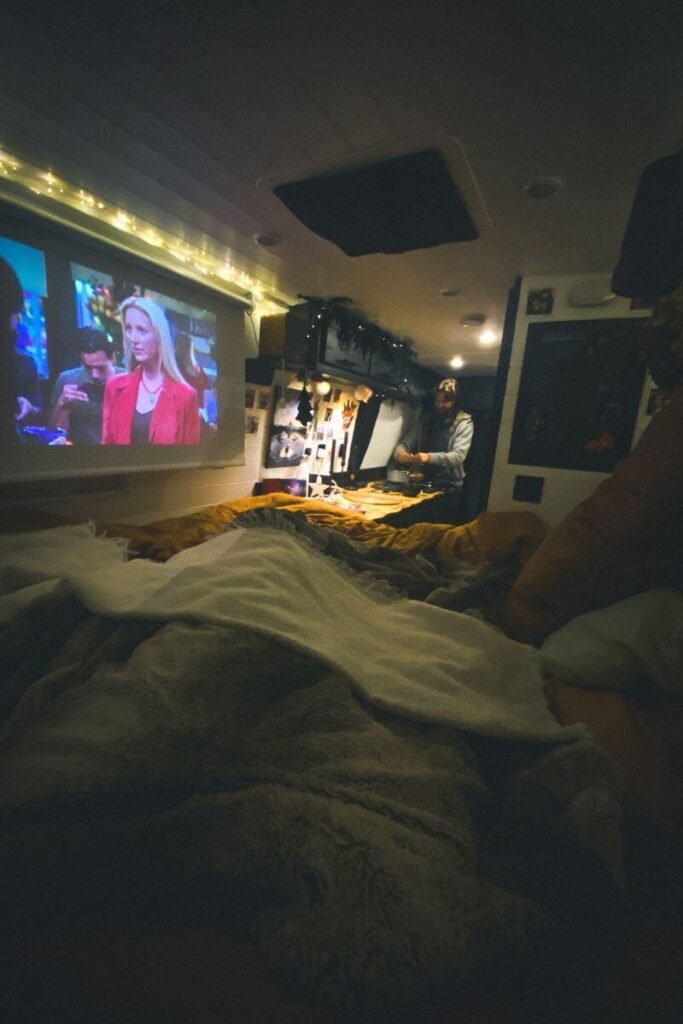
347, 327
353, 331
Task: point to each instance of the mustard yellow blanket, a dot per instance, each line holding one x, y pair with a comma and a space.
492, 537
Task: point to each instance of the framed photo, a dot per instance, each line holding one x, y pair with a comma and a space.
289, 486
251, 424
249, 397
287, 434
540, 302
263, 400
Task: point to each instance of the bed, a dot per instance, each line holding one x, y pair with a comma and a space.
275, 762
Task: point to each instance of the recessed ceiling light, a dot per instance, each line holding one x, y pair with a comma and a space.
267, 238
457, 362
543, 188
450, 293
473, 320
488, 337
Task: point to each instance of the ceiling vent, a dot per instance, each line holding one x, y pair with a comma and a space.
542, 188
473, 320
394, 206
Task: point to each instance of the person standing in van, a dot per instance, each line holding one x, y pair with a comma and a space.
438, 445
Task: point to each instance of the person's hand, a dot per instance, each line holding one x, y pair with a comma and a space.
24, 409
412, 458
405, 458
71, 393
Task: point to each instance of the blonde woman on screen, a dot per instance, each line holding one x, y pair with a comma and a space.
151, 404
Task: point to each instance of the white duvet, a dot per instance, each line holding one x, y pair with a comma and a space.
411, 658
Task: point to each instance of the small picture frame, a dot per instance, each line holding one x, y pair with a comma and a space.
336, 395
249, 398
251, 424
296, 487
263, 400
540, 302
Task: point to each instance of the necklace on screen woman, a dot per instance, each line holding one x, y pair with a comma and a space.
152, 392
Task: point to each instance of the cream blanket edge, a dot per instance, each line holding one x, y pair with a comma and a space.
413, 659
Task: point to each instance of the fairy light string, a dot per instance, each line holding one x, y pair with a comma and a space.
177, 252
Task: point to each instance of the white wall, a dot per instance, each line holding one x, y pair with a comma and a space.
563, 488
145, 497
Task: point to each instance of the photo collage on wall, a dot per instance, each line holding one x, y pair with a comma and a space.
319, 443
256, 408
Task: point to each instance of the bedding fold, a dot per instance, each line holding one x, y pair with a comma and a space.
404, 656
251, 736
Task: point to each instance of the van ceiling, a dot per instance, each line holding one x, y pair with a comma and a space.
193, 114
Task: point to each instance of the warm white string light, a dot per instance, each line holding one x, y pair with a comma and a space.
44, 183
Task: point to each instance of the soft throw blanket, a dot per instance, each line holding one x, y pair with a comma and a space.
209, 771
479, 588
404, 656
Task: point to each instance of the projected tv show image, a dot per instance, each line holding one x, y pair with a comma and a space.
142, 367
30, 337
117, 365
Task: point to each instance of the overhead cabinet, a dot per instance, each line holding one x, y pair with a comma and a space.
304, 343
335, 354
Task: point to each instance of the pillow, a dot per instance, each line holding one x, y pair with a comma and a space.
615, 647
625, 538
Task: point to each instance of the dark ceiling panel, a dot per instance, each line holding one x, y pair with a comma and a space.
394, 206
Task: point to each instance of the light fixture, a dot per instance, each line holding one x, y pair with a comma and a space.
473, 320
488, 337
321, 384
450, 293
363, 393
268, 239
457, 362
542, 188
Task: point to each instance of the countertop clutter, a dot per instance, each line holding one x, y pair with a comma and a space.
375, 503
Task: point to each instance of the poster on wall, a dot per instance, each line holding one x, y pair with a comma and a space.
287, 434
579, 394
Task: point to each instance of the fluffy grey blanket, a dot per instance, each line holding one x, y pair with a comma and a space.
203, 772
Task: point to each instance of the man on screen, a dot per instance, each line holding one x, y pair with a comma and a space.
78, 393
